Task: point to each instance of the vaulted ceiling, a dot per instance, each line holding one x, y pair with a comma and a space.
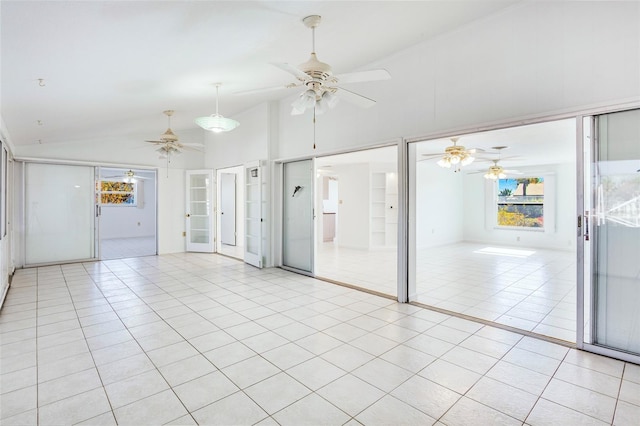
111, 67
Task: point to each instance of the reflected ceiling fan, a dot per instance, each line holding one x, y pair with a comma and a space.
321, 87
455, 156
168, 144
127, 176
496, 171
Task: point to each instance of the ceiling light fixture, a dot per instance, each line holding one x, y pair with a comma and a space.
495, 172
455, 155
215, 122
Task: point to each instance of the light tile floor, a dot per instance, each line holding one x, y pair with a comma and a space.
122, 248
204, 339
529, 289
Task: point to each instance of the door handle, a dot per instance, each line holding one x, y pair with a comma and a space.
586, 226
188, 215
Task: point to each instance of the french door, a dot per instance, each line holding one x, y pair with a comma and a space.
199, 216
254, 213
611, 234
298, 216
228, 209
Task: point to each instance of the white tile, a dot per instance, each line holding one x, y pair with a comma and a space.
187, 369
204, 390
116, 352
210, 341
18, 401
124, 368
519, 377
602, 364
156, 409
350, 394
250, 371
547, 413
532, 361
430, 345
229, 354
265, 341
502, 397
590, 379
277, 392
75, 409
632, 372
469, 412
580, 399
374, 344
382, 374
318, 343
19, 379
135, 388
391, 411
172, 353
450, 376
630, 392
626, 414
26, 418
469, 359
72, 384
315, 373
105, 419
236, 409
427, 396
311, 410
287, 356
408, 358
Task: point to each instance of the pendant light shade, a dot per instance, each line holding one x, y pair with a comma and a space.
216, 123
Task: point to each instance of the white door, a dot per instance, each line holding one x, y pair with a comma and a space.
254, 213
228, 208
199, 215
298, 232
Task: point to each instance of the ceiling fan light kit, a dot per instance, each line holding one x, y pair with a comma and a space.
216, 123
456, 155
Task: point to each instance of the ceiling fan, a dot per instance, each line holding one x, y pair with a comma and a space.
127, 176
496, 171
455, 156
321, 89
168, 144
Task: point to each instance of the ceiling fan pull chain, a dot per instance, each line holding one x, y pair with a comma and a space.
314, 127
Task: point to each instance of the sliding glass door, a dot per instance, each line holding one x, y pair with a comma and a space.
298, 237
612, 232
59, 213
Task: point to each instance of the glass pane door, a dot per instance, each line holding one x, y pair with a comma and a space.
615, 232
59, 213
199, 184
297, 244
254, 211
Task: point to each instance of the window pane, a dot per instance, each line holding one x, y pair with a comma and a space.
521, 202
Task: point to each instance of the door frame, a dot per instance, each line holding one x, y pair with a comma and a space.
587, 142
237, 170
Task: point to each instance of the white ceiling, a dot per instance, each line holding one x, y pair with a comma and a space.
111, 67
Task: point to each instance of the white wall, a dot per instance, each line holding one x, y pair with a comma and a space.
528, 60
248, 142
559, 215
440, 204
131, 151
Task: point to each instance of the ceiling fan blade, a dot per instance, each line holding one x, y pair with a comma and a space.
157, 142
361, 76
299, 74
354, 98
267, 89
440, 154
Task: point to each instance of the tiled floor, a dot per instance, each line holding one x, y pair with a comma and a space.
122, 248
195, 338
529, 289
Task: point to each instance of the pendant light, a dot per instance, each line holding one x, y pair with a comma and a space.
215, 122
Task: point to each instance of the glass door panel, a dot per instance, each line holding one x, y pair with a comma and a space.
297, 244
199, 235
615, 232
254, 211
59, 213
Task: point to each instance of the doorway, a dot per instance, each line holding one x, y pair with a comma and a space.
126, 213
494, 236
230, 213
